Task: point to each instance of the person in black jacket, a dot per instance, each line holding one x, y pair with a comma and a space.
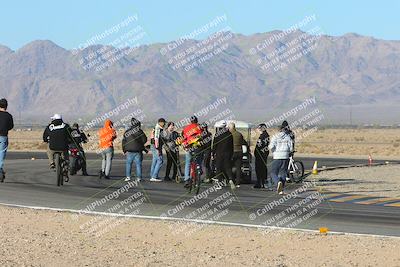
133, 146
222, 150
206, 148
6, 124
172, 150
261, 153
58, 136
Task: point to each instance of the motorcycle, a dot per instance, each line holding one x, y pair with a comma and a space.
75, 160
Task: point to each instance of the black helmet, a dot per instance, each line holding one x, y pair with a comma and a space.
135, 122
194, 119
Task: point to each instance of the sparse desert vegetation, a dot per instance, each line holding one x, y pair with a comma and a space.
356, 142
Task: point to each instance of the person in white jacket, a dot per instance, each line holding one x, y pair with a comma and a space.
281, 147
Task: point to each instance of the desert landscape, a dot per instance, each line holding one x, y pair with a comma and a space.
379, 143
376, 181
138, 242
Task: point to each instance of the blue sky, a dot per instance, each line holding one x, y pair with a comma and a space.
70, 23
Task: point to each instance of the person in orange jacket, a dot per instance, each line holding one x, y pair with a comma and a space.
107, 135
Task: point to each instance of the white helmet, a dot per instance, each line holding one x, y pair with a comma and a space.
56, 117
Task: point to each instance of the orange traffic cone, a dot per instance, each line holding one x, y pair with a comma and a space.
323, 230
315, 168
369, 160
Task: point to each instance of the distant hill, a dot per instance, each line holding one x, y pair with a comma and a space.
346, 72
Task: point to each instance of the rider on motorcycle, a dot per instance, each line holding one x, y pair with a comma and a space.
58, 135
79, 137
191, 137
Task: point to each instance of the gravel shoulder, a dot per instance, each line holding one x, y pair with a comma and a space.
380, 181
47, 238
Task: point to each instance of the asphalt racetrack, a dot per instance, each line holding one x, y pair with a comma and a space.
30, 183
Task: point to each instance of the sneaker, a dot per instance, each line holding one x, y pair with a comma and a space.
238, 186
127, 179
207, 181
155, 180
52, 165
2, 176
257, 186
187, 184
215, 180
106, 177
138, 179
279, 188
218, 187
232, 184
281, 193
167, 179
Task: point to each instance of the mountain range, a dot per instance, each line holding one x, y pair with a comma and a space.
353, 78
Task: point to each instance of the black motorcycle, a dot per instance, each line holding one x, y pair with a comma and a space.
75, 160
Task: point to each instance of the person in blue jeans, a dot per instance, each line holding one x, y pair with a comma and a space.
156, 150
188, 158
281, 146
133, 146
156, 164
132, 157
6, 124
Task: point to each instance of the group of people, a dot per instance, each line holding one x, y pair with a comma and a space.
201, 147
195, 139
224, 149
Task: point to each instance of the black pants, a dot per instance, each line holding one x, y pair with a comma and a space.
237, 162
84, 171
207, 163
224, 166
172, 162
261, 170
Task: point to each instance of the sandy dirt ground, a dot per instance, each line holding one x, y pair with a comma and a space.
383, 181
380, 143
47, 238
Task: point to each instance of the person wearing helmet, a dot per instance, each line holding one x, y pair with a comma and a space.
79, 137
191, 135
58, 136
